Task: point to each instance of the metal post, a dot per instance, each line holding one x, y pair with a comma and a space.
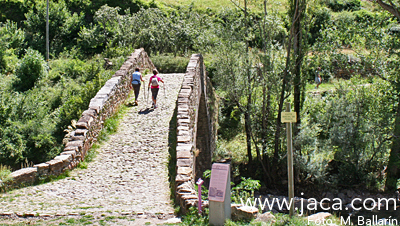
199, 183
47, 34
290, 162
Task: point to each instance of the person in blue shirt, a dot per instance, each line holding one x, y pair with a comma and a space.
136, 80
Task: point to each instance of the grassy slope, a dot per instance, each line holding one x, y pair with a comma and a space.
202, 5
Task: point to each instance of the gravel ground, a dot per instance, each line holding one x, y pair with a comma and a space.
126, 184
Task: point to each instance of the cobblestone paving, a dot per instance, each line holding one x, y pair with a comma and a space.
128, 177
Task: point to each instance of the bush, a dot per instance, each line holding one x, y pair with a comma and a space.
342, 5
169, 64
32, 67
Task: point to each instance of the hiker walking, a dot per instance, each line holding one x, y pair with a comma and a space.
318, 79
154, 82
136, 80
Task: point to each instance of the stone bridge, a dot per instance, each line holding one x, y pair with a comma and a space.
152, 161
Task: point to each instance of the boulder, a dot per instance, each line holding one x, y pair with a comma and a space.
266, 217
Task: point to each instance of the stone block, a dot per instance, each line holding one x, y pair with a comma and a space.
190, 196
64, 158
266, 217
42, 168
183, 133
77, 138
120, 73
81, 132
185, 171
239, 212
72, 153
183, 154
184, 139
71, 148
182, 178
183, 95
186, 186
90, 112
97, 104
183, 128
184, 147
183, 122
85, 122
183, 115
56, 166
24, 175
192, 63
78, 144
183, 100
184, 162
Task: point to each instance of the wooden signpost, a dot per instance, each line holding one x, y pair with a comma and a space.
289, 117
219, 194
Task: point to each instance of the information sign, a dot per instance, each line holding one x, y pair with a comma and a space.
218, 182
288, 117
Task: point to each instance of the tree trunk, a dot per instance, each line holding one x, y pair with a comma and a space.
393, 172
247, 125
298, 55
391, 8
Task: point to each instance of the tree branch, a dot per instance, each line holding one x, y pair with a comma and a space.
391, 8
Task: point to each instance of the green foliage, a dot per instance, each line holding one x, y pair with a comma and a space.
320, 19
346, 134
13, 10
167, 63
194, 218
64, 27
5, 172
244, 190
32, 67
11, 39
341, 5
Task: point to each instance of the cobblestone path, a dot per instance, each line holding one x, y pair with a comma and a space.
128, 177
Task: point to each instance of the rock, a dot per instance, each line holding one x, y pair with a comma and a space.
266, 217
24, 175
175, 220
243, 212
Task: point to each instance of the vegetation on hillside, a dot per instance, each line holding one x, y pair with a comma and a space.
259, 56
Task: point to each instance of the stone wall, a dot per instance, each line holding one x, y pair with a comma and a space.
103, 105
196, 132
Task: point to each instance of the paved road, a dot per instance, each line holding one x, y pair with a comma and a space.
128, 177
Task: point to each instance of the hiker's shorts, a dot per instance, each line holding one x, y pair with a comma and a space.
154, 93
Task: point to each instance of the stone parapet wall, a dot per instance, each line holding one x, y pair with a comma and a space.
102, 106
189, 99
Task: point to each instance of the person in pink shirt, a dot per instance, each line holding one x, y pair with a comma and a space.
154, 83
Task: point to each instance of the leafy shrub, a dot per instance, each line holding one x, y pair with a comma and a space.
342, 5
64, 27
321, 17
244, 190
32, 67
344, 136
167, 63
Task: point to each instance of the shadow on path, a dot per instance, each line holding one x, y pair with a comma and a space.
146, 111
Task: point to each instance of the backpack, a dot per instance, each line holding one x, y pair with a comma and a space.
154, 81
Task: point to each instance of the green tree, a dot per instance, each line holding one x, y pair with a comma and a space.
64, 27
32, 67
